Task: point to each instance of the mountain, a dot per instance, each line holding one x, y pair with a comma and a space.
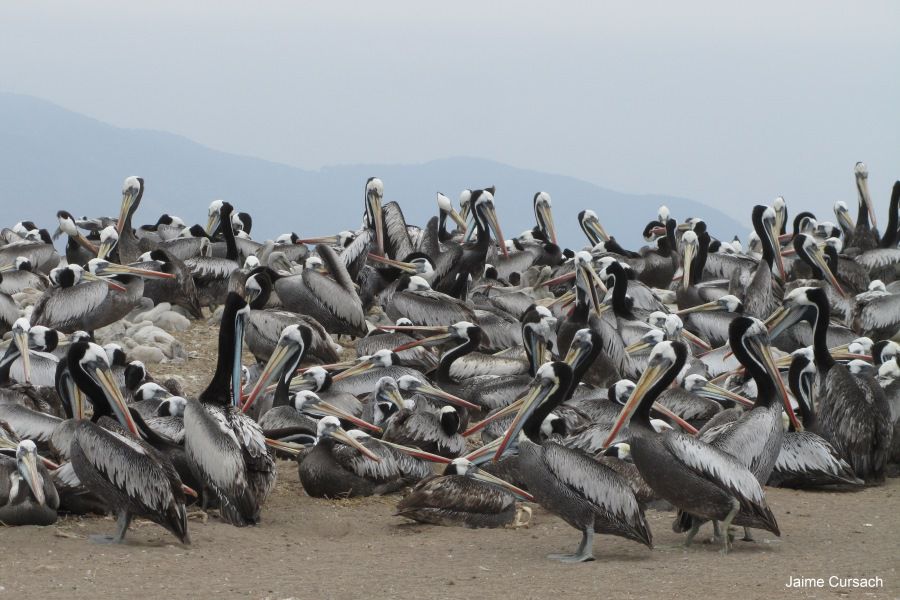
52, 158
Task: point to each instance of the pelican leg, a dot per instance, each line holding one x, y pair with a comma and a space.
726, 525
123, 522
585, 551
695, 527
717, 532
748, 537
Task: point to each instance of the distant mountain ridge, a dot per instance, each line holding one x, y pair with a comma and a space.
52, 158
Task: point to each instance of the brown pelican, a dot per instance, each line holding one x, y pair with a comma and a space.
586, 494
332, 301
806, 460
361, 378
322, 472
761, 295
853, 413
211, 274
129, 246
755, 438
414, 299
435, 432
19, 275
27, 493
464, 495
225, 447
72, 305
180, 290
371, 238
692, 475
117, 465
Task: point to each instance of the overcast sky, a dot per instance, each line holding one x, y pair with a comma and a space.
727, 103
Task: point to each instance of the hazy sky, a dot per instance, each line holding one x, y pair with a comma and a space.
728, 103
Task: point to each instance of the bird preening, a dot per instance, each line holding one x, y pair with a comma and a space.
471, 374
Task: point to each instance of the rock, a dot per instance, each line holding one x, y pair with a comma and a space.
216, 317
147, 354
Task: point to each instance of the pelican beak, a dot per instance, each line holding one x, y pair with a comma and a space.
211, 223
764, 352
128, 270
416, 453
236, 371
6, 268
105, 248
355, 370
459, 219
127, 202
107, 382
690, 251
574, 354
557, 280
590, 280
545, 214
403, 266
509, 409
844, 220
819, 259
599, 233
29, 470
674, 418
88, 276
863, 185
700, 343
274, 365
344, 437
708, 307
779, 260
714, 392
652, 374
638, 346
328, 240
481, 454
433, 340
782, 319
490, 479
447, 397
286, 447
490, 214
20, 339
374, 201
532, 400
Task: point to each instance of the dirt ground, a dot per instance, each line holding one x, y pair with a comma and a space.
309, 548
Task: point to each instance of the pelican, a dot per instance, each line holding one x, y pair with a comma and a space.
211, 274
130, 475
361, 377
321, 471
27, 493
692, 475
225, 447
853, 412
464, 495
414, 299
586, 494
761, 295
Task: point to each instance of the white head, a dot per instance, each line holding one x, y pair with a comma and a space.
418, 284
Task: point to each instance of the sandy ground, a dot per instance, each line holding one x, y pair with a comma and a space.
309, 548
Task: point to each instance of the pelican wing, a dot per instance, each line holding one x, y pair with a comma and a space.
209, 267
130, 466
9, 311
882, 312
429, 308
397, 239
716, 466
459, 494
62, 308
809, 456
355, 254
28, 424
338, 300
879, 258
352, 460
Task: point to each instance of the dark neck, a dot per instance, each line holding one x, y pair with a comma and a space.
801, 386
219, 389
700, 259
824, 360
228, 232
620, 289
442, 375
532, 427
890, 234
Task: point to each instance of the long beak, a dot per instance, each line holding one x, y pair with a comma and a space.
212, 223
779, 261
547, 217
355, 370
107, 382
31, 476
700, 343
494, 224
127, 201
638, 346
530, 402
591, 279
507, 410
88, 276
441, 394
458, 218
375, 206
105, 248
326, 408
708, 307
286, 447
403, 266
433, 340
771, 368
344, 437
236, 373
273, 367
20, 338
819, 259
490, 479
863, 184
689, 251
6, 268
416, 452
781, 319
557, 280
482, 454
647, 380
715, 392
674, 418
598, 230
129, 270
327, 240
